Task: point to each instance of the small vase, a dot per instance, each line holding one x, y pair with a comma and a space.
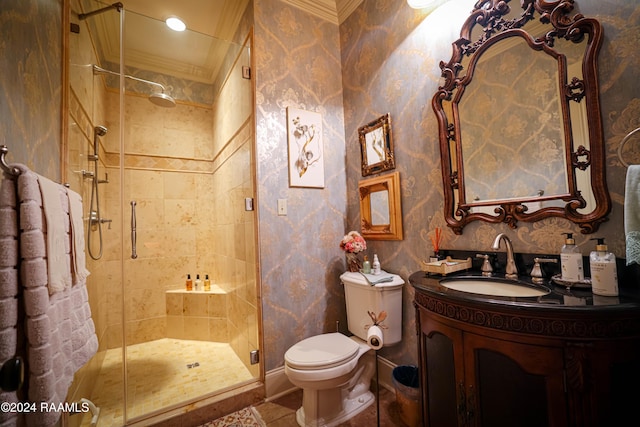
353, 262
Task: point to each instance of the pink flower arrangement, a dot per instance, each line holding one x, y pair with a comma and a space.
353, 243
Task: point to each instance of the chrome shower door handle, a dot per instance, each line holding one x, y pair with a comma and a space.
134, 255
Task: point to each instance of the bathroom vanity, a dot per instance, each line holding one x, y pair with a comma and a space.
566, 358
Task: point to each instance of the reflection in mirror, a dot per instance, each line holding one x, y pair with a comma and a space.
380, 207
376, 146
519, 117
512, 137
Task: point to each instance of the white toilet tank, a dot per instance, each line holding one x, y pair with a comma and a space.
361, 297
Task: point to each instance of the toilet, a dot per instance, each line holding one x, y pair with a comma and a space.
333, 370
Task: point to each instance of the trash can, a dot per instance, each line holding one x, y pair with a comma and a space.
407, 384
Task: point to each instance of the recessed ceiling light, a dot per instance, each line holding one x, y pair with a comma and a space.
175, 24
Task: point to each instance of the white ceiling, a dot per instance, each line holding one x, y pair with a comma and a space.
195, 54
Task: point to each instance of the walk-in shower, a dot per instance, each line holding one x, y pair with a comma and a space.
165, 350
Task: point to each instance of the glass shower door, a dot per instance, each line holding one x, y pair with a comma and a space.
177, 180
187, 169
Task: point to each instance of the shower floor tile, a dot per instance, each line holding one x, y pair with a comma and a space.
159, 377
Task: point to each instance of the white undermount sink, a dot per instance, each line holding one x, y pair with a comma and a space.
494, 287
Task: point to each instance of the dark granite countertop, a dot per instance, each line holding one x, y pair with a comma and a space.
559, 298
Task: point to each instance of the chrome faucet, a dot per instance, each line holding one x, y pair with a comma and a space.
511, 270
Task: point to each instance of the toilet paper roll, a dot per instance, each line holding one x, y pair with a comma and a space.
374, 337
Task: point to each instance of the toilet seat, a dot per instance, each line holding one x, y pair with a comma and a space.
321, 352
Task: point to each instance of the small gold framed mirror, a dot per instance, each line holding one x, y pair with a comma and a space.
380, 207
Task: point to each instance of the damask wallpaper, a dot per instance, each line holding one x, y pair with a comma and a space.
31, 82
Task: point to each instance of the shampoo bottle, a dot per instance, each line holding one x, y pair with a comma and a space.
376, 264
366, 266
207, 283
189, 283
198, 283
571, 261
604, 273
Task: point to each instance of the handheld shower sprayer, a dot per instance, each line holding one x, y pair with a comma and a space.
100, 130
95, 217
97, 131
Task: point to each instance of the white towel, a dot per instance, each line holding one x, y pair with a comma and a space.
60, 334
57, 238
632, 214
78, 260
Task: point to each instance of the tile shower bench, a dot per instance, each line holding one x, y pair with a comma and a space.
197, 315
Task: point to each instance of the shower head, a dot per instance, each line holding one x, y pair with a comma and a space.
161, 99
100, 130
158, 98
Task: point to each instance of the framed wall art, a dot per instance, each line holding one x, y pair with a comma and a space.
306, 151
376, 145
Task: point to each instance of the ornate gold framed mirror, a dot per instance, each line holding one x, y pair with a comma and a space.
519, 119
381, 208
376, 146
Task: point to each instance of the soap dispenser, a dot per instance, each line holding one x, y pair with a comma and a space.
207, 283
189, 283
197, 284
604, 273
571, 260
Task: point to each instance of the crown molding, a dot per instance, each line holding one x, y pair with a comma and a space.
325, 9
345, 8
335, 11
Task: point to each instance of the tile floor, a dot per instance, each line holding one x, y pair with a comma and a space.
159, 377
282, 411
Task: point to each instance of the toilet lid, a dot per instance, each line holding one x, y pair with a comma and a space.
321, 351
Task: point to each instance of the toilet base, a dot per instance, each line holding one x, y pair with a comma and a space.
351, 408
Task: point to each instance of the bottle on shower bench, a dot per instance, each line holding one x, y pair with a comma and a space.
189, 283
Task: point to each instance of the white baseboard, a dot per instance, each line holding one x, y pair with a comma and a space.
385, 367
277, 384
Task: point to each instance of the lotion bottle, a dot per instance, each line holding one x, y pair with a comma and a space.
198, 283
189, 283
571, 260
207, 283
376, 264
604, 273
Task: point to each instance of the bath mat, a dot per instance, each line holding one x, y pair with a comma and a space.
246, 417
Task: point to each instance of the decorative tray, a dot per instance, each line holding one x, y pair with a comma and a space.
581, 284
446, 266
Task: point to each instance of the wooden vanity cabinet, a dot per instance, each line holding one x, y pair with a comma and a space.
475, 371
476, 380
